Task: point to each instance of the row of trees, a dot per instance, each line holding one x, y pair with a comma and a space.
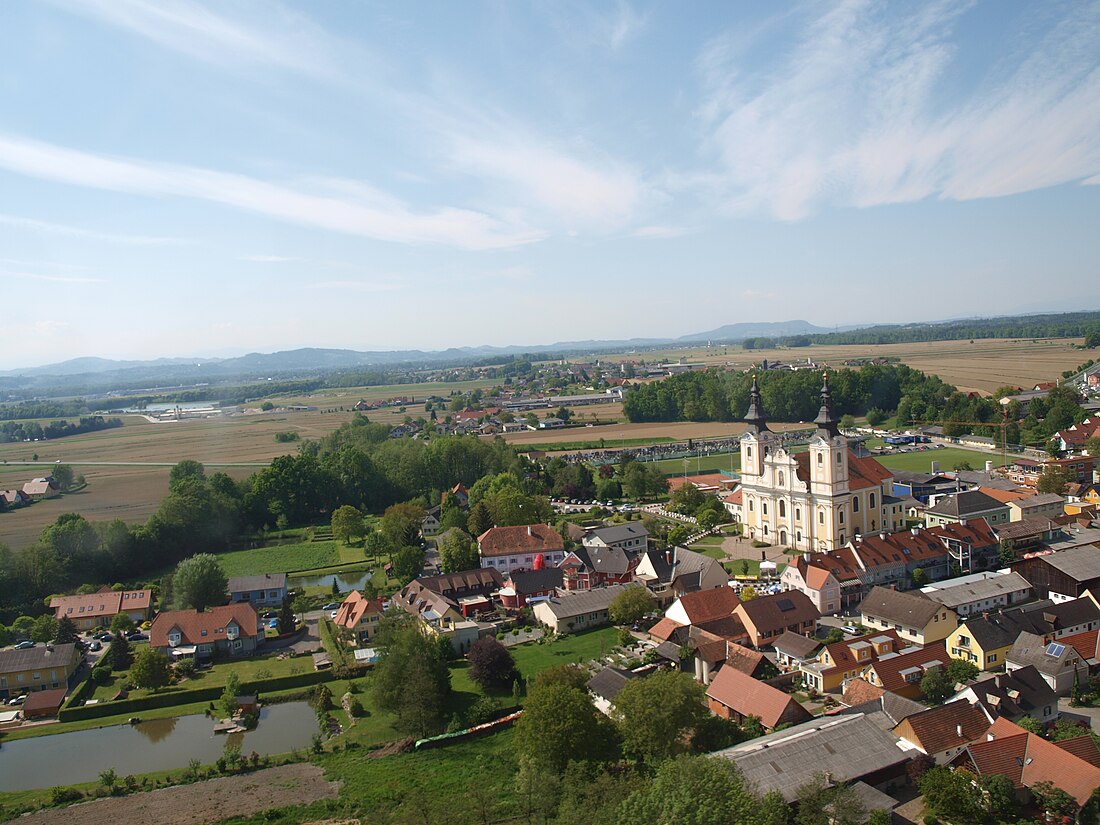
33, 431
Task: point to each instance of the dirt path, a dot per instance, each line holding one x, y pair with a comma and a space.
201, 802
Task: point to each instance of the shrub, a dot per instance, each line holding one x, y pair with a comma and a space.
62, 796
185, 668
355, 708
101, 675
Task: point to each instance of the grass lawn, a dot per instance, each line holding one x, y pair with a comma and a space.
579, 647
284, 558
947, 458
736, 568
718, 463
592, 444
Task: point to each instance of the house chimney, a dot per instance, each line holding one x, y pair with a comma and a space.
959, 731
528, 529
806, 556
668, 556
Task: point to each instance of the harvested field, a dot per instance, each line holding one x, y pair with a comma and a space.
676, 430
201, 802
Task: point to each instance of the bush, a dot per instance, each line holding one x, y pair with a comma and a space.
185, 668
62, 796
355, 708
100, 675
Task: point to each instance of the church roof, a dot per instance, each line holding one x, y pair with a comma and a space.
862, 472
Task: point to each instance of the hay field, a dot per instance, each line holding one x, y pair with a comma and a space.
982, 366
676, 430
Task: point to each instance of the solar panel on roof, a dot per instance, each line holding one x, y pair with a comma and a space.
1054, 649
785, 604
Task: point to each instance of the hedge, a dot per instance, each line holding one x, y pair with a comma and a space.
184, 697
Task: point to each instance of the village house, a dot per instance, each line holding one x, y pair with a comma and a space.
97, 609
1013, 696
703, 606
1023, 536
445, 614
631, 538
1067, 574
734, 504
840, 662
1027, 759
1058, 662
766, 617
460, 495
429, 525
737, 696
944, 732
964, 506
14, 498
515, 548
359, 616
1075, 437
41, 488
587, 567
266, 590
980, 592
819, 575
606, 685
229, 630
916, 619
792, 650
1042, 505
902, 674
671, 573
984, 640
972, 545
523, 588
42, 667
580, 610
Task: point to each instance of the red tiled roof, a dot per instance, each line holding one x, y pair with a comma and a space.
859, 692
735, 498
843, 659
192, 623
1085, 643
862, 472
44, 700
1003, 496
1083, 747
744, 659
750, 697
767, 613
664, 629
103, 604
949, 726
889, 671
704, 605
975, 531
524, 538
354, 608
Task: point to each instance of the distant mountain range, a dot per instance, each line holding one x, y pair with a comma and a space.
312, 358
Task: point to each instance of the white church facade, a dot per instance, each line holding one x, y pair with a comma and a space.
817, 500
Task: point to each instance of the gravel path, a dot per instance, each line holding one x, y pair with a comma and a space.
201, 802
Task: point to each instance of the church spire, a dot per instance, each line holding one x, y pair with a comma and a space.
826, 419
755, 415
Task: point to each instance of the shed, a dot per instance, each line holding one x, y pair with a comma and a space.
41, 704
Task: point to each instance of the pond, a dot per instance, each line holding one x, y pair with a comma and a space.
156, 745
347, 581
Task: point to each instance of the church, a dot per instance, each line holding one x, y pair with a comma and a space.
812, 501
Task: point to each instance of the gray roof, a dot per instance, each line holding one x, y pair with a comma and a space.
917, 477
1049, 658
246, 584
967, 592
1033, 526
1015, 695
848, 746
618, 532
609, 681
897, 607
13, 660
1080, 563
966, 504
1075, 537
577, 602
1040, 500
797, 645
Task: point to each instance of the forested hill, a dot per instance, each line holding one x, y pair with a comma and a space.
877, 391
1054, 325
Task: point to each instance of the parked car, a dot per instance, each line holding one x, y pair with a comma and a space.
332, 614
273, 624
24, 645
137, 636
270, 614
18, 700
850, 629
332, 606
95, 644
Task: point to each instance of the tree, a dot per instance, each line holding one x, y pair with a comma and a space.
1006, 552
658, 714
67, 633
22, 627
936, 686
677, 534
630, 606
1092, 445
1053, 480
999, 797
491, 665
700, 790
348, 524
200, 582
457, 551
920, 578
411, 678
835, 635
121, 623
230, 694
288, 621
748, 593
847, 422
959, 672
559, 725
480, 519
951, 795
408, 563
118, 655
568, 675
63, 475
686, 499
401, 523
150, 669
708, 518
185, 471
820, 802
376, 545
45, 629
1053, 800
1031, 725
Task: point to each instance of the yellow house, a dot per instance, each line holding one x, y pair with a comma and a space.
983, 641
916, 620
840, 662
42, 667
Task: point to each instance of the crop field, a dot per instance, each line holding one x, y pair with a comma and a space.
651, 433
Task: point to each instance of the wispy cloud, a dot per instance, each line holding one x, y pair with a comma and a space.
380, 216
856, 112
59, 279
34, 225
195, 30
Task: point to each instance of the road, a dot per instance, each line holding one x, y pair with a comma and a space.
127, 463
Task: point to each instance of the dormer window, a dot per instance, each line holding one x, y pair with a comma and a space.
203, 632
174, 638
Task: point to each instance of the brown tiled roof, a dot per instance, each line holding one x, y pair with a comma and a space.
735, 497
898, 607
1003, 496
354, 608
862, 472
744, 659
889, 671
779, 610
859, 692
1028, 759
796, 644
192, 623
1085, 643
727, 627
976, 532
524, 538
948, 726
844, 659
1083, 747
479, 578
704, 605
750, 697
44, 700
663, 629
104, 604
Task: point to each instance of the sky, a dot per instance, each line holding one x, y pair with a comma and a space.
189, 179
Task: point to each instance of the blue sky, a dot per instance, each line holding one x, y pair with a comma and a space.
179, 178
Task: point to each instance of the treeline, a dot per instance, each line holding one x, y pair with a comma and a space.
32, 430
1055, 325
43, 409
875, 391
204, 513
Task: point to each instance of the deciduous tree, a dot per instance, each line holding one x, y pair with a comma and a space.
658, 714
347, 524
491, 665
457, 551
200, 582
150, 669
701, 790
631, 605
559, 725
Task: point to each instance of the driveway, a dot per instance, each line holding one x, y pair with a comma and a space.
1090, 715
307, 642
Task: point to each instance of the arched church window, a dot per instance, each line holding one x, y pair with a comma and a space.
838, 459
798, 514
841, 516
764, 507
782, 508
765, 529
748, 452
780, 480
820, 458
750, 506
871, 500
855, 505
820, 516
